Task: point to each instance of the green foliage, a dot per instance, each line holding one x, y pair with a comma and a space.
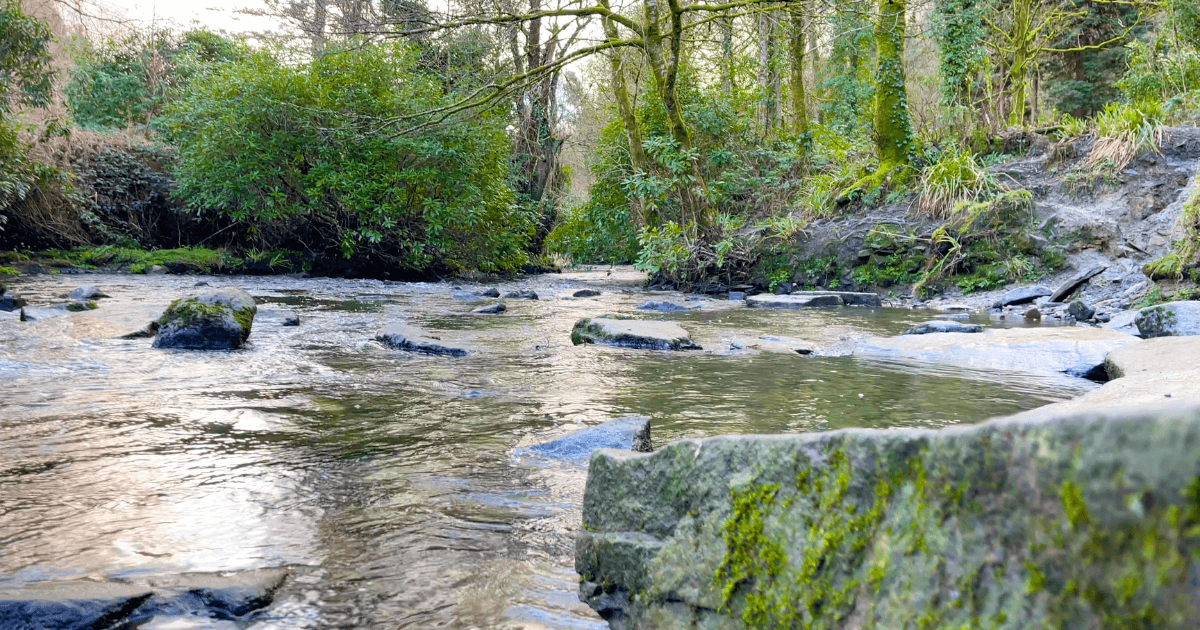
26, 77
594, 232
325, 158
959, 31
956, 176
121, 82
8, 271
1124, 131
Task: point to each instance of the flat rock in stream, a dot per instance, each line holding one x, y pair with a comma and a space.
996, 521
1078, 351
665, 307
585, 293
631, 433
491, 309
218, 320
632, 333
1021, 295
813, 299
226, 595
69, 605
412, 339
940, 326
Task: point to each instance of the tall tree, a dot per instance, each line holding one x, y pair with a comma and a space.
893, 127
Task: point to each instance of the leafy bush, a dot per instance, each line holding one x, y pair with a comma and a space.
594, 232
121, 82
333, 158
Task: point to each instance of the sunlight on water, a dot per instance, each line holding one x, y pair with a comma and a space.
387, 480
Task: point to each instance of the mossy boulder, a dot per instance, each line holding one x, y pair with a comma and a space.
220, 320
632, 333
1085, 520
1173, 319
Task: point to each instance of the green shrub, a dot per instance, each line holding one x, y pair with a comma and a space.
332, 158
1124, 131
594, 232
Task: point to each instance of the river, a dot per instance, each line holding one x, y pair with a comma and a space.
387, 481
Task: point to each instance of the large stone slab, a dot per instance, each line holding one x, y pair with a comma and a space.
413, 339
1043, 521
1021, 295
1078, 351
1173, 319
942, 326
1067, 288
811, 299
69, 606
218, 320
632, 333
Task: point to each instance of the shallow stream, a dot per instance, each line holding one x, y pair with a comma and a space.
387, 481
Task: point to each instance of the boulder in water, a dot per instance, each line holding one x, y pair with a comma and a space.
524, 294
85, 293
69, 605
149, 331
489, 293
219, 320
291, 319
632, 333
585, 293
998, 517
1173, 319
412, 339
11, 301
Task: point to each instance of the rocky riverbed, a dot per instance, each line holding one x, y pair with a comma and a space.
380, 482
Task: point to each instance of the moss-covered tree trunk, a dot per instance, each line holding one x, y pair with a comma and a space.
799, 98
893, 127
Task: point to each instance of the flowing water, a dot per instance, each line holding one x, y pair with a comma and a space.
387, 481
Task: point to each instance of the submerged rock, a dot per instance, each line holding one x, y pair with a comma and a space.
811, 299
149, 331
1173, 319
490, 293
1008, 520
628, 433
524, 294
85, 293
491, 309
412, 339
1072, 350
11, 301
665, 307
219, 320
585, 293
291, 319
1022, 295
632, 333
69, 605
940, 326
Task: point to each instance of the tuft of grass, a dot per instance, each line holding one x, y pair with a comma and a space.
1126, 130
955, 178
8, 271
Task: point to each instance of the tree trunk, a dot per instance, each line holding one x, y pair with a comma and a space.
727, 83
768, 75
893, 127
799, 98
317, 28
625, 109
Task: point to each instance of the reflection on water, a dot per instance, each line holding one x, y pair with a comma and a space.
387, 479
